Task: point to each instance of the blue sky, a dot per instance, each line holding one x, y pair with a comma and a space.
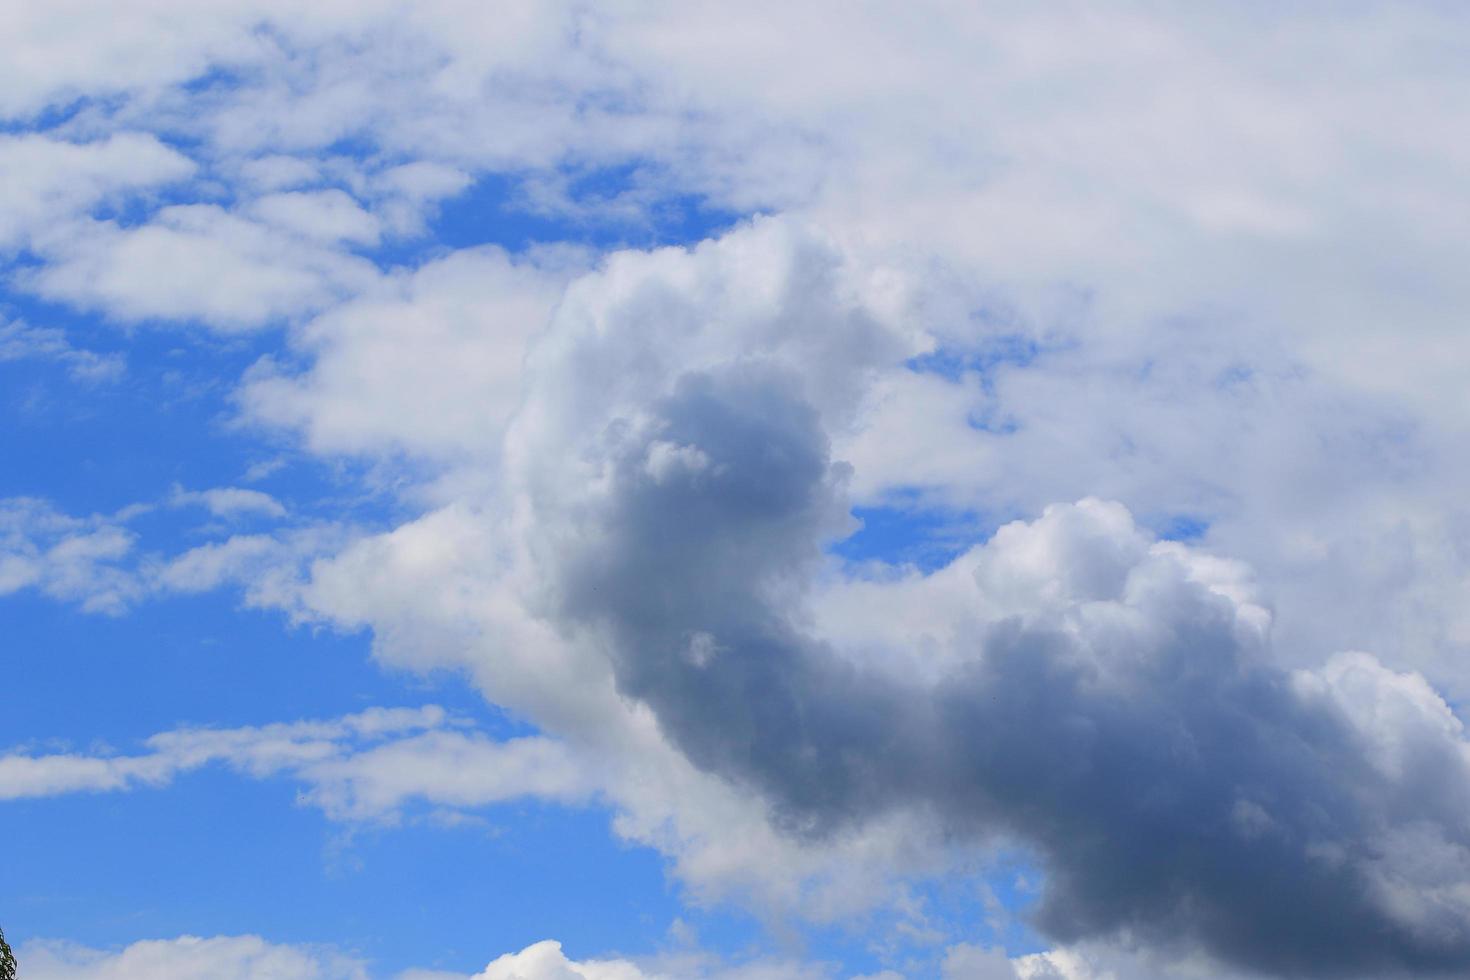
787, 494
105, 871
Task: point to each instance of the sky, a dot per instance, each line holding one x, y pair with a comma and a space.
788, 491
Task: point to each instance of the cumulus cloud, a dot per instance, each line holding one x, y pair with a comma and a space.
366, 766
546, 960
1108, 700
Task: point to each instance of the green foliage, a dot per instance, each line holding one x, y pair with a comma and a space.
7, 959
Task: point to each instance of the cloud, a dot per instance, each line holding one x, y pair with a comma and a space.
428, 364
95, 561
188, 958
1070, 151
366, 766
449, 770
1108, 700
268, 568
225, 270
327, 216
229, 502
965, 962
44, 180
76, 559
18, 341
546, 960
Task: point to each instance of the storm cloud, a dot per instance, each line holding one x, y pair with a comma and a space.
1108, 700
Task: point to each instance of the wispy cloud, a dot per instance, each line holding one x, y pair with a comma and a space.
18, 341
366, 766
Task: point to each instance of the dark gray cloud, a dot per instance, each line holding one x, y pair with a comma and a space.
1129, 725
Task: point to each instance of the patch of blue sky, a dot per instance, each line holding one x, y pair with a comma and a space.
1009, 888
48, 117
603, 208
988, 903
981, 361
216, 78
219, 855
1181, 527
911, 531
94, 446
139, 208
990, 419
195, 660
980, 365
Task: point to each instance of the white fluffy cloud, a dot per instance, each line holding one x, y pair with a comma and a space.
545, 961
44, 180
428, 363
225, 270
